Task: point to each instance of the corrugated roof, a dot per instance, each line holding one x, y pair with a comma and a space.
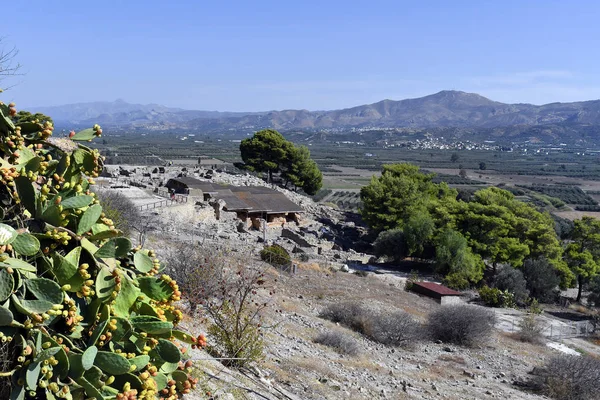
233, 203
276, 202
437, 288
252, 189
194, 183
244, 198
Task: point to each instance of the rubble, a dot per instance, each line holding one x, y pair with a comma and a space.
321, 232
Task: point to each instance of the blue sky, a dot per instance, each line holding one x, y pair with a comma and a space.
262, 55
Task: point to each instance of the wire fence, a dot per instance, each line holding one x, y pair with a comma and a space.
557, 330
570, 330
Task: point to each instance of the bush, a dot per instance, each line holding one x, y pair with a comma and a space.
411, 280
530, 329
234, 338
495, 297
569, 377
342, 343
542, 280
349, 314
594, 295
455, 259
119, 209
276, 255
201, 273
461, 324
456, 281
396, 329
228, 291
235, 312
391, 244
393, 329
511, 280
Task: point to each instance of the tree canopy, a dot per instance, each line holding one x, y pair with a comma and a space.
582, 254
400, 191
492, 227
268, 151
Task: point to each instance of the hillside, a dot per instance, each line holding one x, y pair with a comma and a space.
121, 113
296, 366
468, 114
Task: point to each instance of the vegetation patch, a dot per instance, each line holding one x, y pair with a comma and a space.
276, 255
341, 342
89, 314
569, 377
463, 324
393, 329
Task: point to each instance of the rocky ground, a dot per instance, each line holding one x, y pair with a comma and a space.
295, 367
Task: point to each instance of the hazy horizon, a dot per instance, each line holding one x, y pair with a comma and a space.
314, 55
252, 111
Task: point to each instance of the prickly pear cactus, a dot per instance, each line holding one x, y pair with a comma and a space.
89, 315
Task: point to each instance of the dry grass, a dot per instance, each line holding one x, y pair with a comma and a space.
315, 267
341, 287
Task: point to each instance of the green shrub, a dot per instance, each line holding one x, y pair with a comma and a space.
495, 297
509, 279
542, 280
235, 338
391, 244
456, 281
89, 315
594, 295
412, 278
276, 255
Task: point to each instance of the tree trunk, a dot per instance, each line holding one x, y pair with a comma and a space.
270, 176
580, 281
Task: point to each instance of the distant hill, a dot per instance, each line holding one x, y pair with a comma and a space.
440, 111
121, 113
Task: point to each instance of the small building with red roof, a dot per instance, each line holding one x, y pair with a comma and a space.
444, 295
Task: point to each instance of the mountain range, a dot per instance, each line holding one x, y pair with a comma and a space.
444, 110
